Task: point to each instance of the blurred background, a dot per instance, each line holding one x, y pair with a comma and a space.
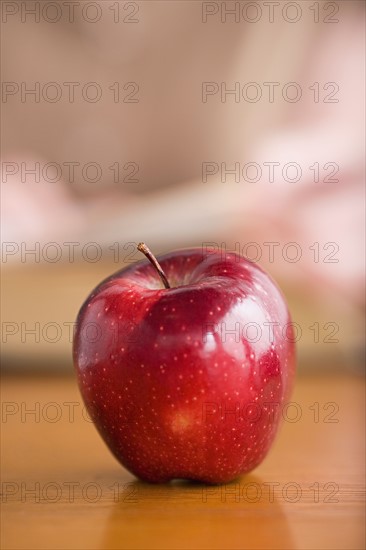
182, 123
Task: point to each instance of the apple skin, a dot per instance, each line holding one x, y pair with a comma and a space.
176, 381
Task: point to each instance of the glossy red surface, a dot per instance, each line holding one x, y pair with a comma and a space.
186, 382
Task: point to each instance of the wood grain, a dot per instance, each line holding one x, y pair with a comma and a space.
61, 488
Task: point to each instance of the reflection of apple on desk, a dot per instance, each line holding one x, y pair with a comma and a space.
246, 515
184, 364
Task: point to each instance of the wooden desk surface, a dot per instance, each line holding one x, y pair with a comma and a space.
61, 487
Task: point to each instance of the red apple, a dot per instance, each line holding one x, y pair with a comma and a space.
186, 380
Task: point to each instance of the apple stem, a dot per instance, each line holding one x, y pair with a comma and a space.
150, 256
